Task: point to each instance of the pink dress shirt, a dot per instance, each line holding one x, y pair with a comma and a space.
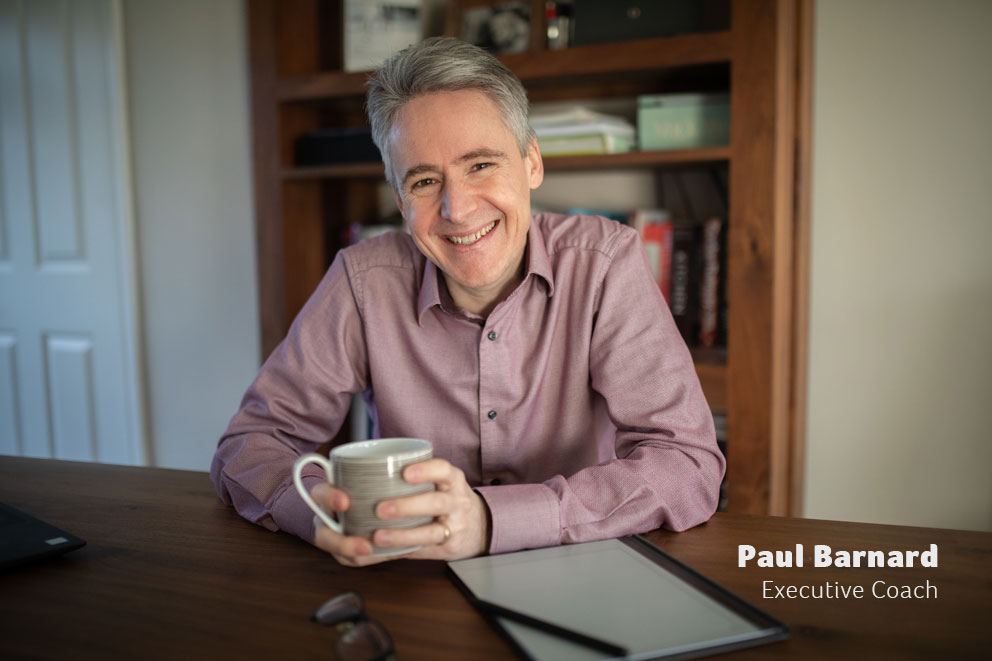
574, 408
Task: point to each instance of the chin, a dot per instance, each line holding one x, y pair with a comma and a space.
474, 283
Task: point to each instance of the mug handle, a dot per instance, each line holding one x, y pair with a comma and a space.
301, 462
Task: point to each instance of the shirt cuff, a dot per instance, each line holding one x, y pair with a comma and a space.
292, 514
524, 516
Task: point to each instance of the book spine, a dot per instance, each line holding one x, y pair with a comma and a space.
658, 237
684, 279
722, 308
709, 282
573, 145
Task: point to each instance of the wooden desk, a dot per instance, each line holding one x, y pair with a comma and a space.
169, 572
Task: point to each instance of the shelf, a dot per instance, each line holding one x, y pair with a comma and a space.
551, 163
630, 57
336, 171
318, 86
637, 158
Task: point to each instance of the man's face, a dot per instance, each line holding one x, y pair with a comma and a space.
464, 189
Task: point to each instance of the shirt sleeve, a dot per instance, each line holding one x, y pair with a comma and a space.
297, 402
668, 467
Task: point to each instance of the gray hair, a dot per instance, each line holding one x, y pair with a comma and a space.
443, 64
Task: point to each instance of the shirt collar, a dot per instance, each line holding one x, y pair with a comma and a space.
430, 294
538, 264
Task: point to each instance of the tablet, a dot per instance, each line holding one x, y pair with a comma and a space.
626, 592
24, 539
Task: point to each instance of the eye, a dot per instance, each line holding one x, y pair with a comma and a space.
481, 166
422, 183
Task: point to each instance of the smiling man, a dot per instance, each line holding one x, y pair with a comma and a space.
534, 351
463, 186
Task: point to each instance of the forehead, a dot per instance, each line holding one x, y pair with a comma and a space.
442, 122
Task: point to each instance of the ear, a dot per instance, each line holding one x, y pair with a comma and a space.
535, 166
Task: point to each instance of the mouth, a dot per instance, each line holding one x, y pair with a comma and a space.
469, 239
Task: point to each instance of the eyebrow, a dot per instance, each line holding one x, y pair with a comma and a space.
493, 154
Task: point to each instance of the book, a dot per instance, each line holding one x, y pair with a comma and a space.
692, 195
656, 232
590, 143
709, 281
578, 130
685, 279
574, 115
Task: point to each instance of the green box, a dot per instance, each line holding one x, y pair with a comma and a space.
682, 121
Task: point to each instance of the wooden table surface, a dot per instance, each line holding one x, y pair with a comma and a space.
169, 572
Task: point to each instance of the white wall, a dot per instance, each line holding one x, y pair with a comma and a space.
900, 369
191, 150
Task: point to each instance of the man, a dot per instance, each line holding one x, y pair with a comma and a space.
536, 353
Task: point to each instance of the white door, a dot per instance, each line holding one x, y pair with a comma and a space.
69, 385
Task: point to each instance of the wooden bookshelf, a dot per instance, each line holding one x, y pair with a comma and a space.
336, 171
551, 163
762, 61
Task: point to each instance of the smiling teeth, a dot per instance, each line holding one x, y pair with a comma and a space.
472, 238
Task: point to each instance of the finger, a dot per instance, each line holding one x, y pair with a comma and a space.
329, 498
338, 544
348, 551
439, 471
430, 503
433, 534
364, 561
352, 551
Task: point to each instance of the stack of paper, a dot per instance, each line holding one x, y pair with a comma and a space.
581, 131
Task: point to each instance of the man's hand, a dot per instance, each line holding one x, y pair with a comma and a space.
349, 551
454, 506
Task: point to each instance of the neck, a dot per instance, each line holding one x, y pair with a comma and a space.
482, 301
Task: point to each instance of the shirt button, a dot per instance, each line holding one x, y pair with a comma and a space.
495, 482
492, 415
492, 335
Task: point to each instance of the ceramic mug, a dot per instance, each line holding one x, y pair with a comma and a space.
369, 472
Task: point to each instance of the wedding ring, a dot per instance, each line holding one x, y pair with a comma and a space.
447, 533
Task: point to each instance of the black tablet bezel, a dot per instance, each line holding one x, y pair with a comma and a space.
768, 628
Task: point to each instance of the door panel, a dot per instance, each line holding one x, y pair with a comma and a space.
68, 373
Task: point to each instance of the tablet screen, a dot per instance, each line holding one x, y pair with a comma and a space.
622, 591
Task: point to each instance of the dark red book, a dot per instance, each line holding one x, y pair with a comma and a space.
709, 281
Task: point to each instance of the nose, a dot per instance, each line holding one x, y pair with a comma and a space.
458, 202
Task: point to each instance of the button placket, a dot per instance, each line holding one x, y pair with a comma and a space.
493, 389
488, 384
